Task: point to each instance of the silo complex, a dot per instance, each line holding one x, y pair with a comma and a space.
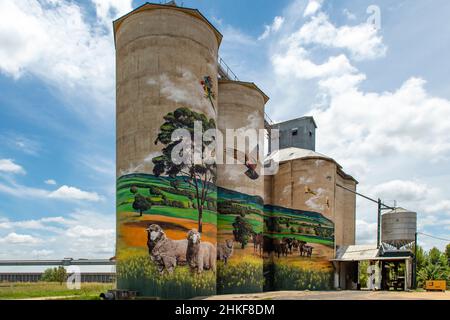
166, 65
240, 188
196, 229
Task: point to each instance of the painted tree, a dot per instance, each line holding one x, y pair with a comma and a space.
242, 230
201, 177
140, 203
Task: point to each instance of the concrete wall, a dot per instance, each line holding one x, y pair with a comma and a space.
305, 137
345, 219
240, 188
318, 175
241, 106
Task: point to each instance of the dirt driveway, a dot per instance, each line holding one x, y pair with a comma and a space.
337, 295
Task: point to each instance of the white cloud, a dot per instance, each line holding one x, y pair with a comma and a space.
50, 182
295, 62
405, 121
348, 14
72, 193
88, 232
54, 42
366, 232
109, 10
8, 166
20, 142
362, 41
41, 253
273, 28
23, 239
63, 193
81, 234
312, 7
402, 190
443, 205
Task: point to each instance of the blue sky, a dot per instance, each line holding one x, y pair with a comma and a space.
380, 97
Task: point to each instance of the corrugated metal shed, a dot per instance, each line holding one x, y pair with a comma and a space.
367, 252
357, 253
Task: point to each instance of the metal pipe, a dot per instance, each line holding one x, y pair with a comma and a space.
415, 263
366, 197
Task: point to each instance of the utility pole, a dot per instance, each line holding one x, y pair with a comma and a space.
379, 224
415, 263
381, 207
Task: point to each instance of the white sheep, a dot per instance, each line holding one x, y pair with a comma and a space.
165, 252
200, 255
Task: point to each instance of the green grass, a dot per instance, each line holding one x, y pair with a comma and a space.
225, 221
306, 238
125, 198
88, 291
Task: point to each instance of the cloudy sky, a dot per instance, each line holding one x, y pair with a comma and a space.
380, 97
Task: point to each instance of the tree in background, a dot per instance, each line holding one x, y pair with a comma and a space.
55, 275
433, 265
199, 176
140, 203
447, 252
242, 230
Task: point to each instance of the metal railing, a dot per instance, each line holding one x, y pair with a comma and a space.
226, 72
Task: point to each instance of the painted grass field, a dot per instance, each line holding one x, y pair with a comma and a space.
88, 291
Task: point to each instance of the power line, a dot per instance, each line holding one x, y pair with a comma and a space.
437, 238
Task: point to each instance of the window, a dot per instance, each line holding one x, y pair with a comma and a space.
295, 132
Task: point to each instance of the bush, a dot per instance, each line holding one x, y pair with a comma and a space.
55, 275
155, 191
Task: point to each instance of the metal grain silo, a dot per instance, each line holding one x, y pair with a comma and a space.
398, 227
240, 190
166, 74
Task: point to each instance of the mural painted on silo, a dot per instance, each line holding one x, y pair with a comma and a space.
297, 248
167, 220
240, 190
240, 241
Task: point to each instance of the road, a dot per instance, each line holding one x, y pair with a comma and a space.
337, 295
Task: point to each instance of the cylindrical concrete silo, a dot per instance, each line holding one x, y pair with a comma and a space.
240, 190
166, 61
301, 220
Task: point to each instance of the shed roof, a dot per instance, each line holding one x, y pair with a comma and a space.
366, 253
357, 253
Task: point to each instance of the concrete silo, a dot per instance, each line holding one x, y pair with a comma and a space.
304, 209
240, 188
166, 75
